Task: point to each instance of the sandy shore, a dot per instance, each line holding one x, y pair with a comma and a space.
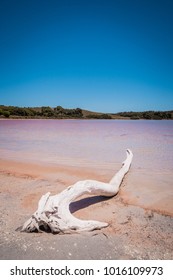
135, 232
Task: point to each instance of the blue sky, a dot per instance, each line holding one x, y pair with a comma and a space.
101, 55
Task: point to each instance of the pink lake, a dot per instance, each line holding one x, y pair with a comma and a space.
100, 144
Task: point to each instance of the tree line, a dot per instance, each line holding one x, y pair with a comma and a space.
77, 113
39, 112
148, 115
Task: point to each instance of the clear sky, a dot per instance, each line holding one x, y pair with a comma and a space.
101, 55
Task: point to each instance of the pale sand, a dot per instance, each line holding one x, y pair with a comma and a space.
134, 232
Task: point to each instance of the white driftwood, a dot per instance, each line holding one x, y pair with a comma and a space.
53, 211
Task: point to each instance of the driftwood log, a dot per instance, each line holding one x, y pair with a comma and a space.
53, 211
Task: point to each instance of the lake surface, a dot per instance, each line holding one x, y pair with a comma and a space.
99, 144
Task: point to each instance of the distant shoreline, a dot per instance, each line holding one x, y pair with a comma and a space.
53, 119
46, 112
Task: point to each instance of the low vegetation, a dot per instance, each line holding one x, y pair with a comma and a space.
148, 115
59, 112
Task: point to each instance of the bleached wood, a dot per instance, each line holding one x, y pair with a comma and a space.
53, 211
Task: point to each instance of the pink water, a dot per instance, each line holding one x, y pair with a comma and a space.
101, 144
88, 142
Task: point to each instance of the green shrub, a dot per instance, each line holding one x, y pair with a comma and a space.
6, 114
